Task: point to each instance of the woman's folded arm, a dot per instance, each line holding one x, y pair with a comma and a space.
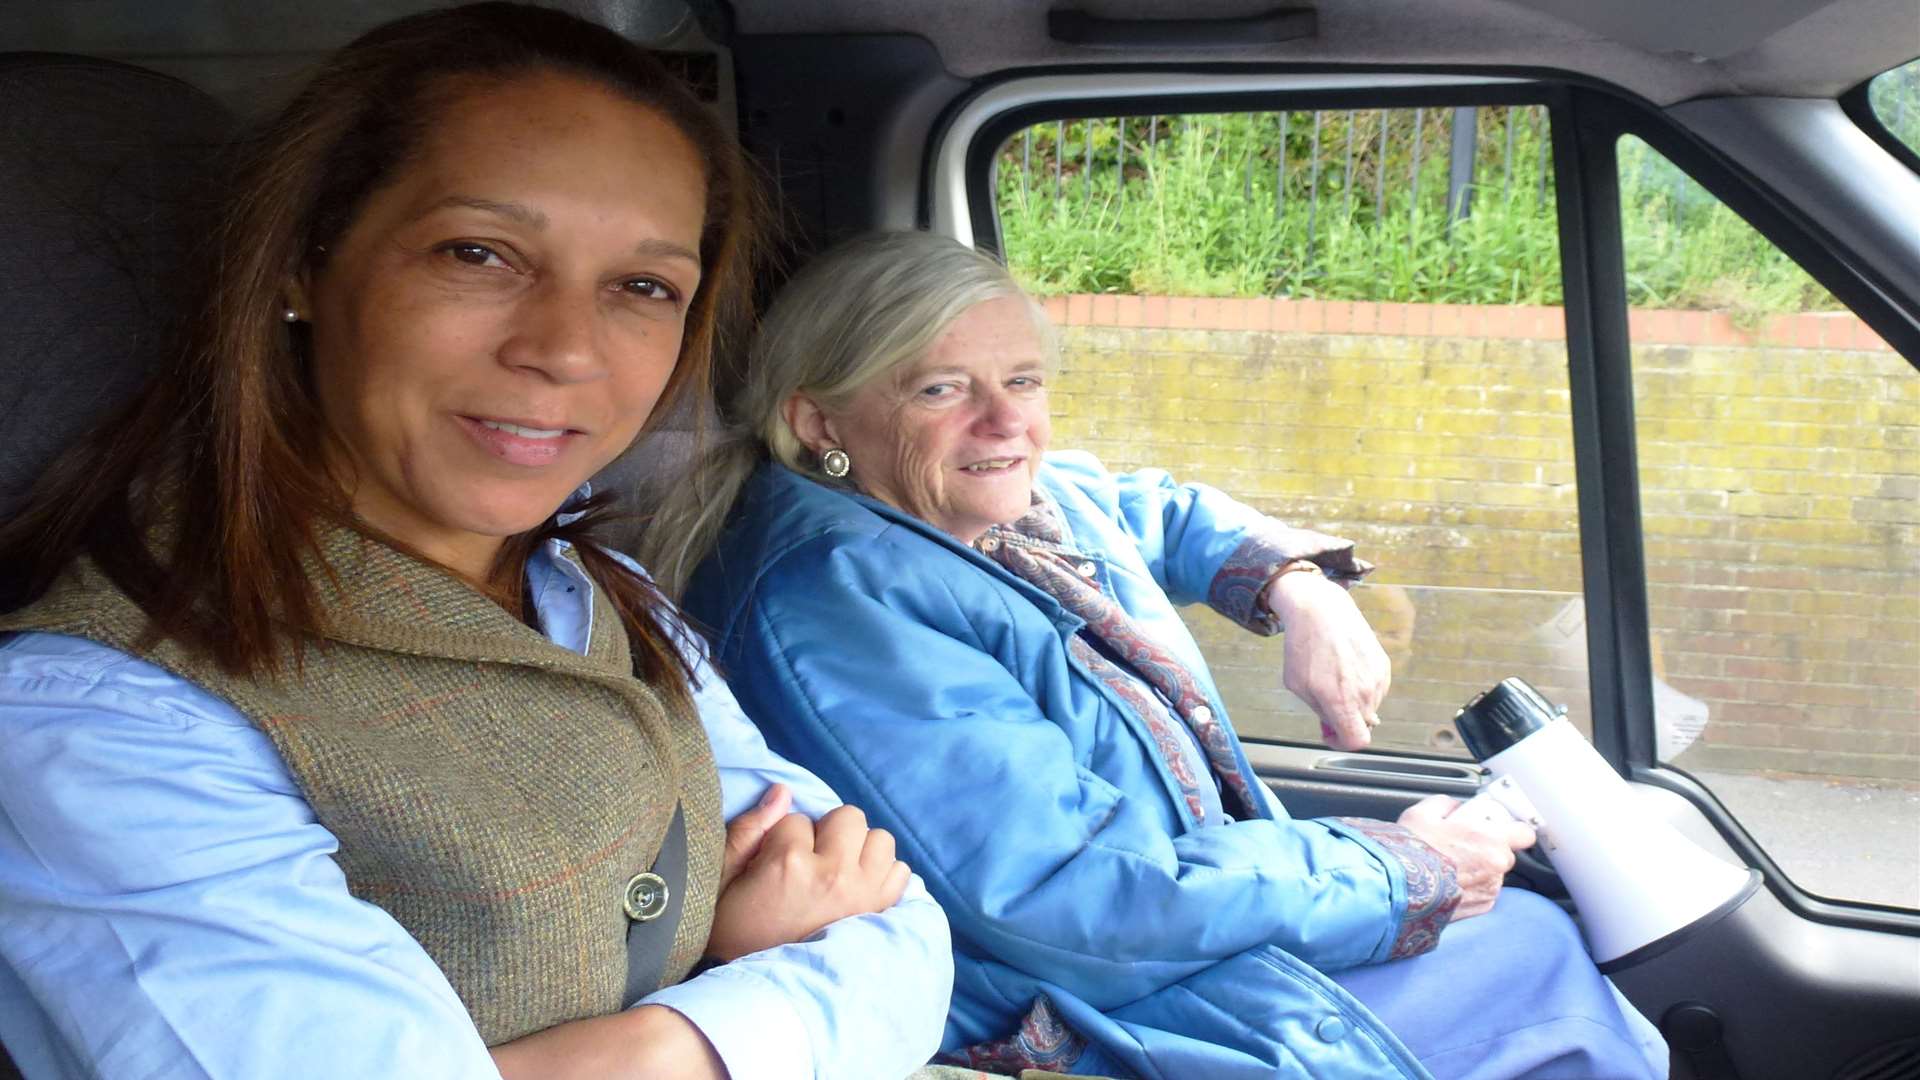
173, 908
867, 996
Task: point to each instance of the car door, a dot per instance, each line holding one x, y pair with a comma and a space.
1647, 593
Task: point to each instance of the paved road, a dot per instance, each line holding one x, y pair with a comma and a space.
1846, 840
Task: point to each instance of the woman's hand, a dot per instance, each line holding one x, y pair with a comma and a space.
785, 877
651, 1041
782, 878
745, 832
1334, 662
1480, 848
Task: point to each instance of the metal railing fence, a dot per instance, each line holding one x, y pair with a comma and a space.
1450, 204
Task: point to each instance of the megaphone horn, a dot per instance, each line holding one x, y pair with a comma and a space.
1639, 885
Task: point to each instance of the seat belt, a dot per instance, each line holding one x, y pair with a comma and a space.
650, 939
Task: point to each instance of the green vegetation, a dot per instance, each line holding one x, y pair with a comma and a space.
1894, 97
1686, 250
1205, 205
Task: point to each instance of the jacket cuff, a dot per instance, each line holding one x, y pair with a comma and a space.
1433, 890
1237, 587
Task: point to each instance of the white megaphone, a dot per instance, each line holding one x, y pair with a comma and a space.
1640, 886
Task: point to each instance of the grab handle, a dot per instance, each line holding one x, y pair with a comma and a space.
1439, 775
1070, 27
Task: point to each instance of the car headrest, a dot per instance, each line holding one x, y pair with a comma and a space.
104, 182
659, 461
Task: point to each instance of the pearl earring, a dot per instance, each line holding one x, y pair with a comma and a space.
836, 463
290, 315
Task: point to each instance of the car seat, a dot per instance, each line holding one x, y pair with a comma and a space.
103, 190
103, 182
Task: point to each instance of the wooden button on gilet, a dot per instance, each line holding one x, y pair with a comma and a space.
645, 897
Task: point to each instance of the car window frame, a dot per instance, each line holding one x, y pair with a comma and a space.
1604, 120
1603, 490
1586, 122
1407, 90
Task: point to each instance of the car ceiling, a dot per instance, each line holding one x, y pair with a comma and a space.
1665, 50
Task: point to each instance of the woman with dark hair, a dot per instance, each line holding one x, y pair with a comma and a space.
334, 744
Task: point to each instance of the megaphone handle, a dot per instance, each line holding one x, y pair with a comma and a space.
1481, 805
1508, 794
1503, 798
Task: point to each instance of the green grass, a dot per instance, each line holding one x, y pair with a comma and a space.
1200, 210
1684, 249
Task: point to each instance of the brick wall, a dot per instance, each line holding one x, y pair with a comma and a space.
1781, 498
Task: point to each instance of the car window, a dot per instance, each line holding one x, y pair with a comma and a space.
1779, 452
1349, 319
1894, 97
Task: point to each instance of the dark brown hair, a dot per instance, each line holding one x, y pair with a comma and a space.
227, 439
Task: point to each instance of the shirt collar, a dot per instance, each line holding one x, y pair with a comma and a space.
561, 591
567, 515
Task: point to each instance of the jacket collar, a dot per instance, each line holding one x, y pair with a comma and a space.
780, 510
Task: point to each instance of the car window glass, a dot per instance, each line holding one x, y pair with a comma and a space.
1894, 97
1779, 453
1349, 319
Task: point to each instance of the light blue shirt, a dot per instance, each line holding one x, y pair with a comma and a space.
170, 907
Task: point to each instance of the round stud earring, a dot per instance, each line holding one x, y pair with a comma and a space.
836, 463
290, 315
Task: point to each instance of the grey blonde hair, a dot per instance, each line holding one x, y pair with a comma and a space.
859, 312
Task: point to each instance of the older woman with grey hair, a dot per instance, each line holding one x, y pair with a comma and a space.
976, 640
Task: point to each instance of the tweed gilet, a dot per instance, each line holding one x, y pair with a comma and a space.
490, 789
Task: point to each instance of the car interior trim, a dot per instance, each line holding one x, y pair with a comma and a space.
1856, 104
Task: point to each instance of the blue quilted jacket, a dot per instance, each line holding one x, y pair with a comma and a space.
935, 690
